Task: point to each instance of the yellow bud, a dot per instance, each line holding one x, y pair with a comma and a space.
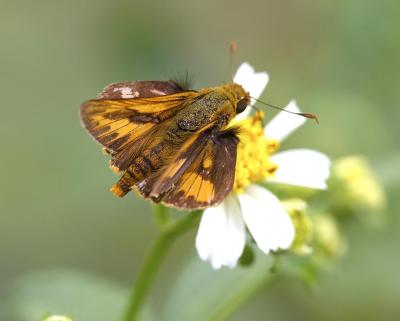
355, 188
302, 225
328, 240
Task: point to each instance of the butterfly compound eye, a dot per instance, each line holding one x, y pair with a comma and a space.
241, 105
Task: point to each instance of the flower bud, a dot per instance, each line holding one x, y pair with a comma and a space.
328, 241
302, 225
355, 188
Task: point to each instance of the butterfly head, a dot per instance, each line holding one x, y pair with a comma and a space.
240, 97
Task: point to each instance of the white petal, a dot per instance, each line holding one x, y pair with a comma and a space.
283, 124
253, 82
221, 237
266, 219
302, 167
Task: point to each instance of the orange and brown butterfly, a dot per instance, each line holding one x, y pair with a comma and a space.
170, 144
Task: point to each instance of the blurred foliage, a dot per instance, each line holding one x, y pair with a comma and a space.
339, 59
213, 294
80, 296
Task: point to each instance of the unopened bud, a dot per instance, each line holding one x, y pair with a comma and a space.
302, 225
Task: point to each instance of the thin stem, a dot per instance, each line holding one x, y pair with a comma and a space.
235, 302
161, 215
156, 254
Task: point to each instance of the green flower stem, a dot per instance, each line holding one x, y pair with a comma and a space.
233, 303
168, 234
161, 215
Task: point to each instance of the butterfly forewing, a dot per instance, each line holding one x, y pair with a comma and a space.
139, 89
117, 122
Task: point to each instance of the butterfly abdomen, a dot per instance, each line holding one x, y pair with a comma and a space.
139, 169
142, 166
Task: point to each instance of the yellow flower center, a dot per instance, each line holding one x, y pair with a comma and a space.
253, 163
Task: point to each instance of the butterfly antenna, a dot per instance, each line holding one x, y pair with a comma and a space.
306, 115
232, 49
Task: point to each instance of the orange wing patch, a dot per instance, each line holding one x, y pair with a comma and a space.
196, 187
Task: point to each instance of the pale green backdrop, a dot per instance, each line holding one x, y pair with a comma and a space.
339, 59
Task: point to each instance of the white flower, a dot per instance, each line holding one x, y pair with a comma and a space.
222, 234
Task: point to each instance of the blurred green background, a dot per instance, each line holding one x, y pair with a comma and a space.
339, 59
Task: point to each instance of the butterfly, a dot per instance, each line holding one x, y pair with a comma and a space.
169, 144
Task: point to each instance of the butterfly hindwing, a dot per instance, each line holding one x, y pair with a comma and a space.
201, 175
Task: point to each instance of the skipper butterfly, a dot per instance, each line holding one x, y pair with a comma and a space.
169, 144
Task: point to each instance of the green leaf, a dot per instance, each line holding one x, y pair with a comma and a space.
201, 293
81, 296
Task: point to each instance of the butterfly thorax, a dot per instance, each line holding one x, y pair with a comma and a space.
209, 106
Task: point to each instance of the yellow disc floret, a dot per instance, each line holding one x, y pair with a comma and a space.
253, 163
